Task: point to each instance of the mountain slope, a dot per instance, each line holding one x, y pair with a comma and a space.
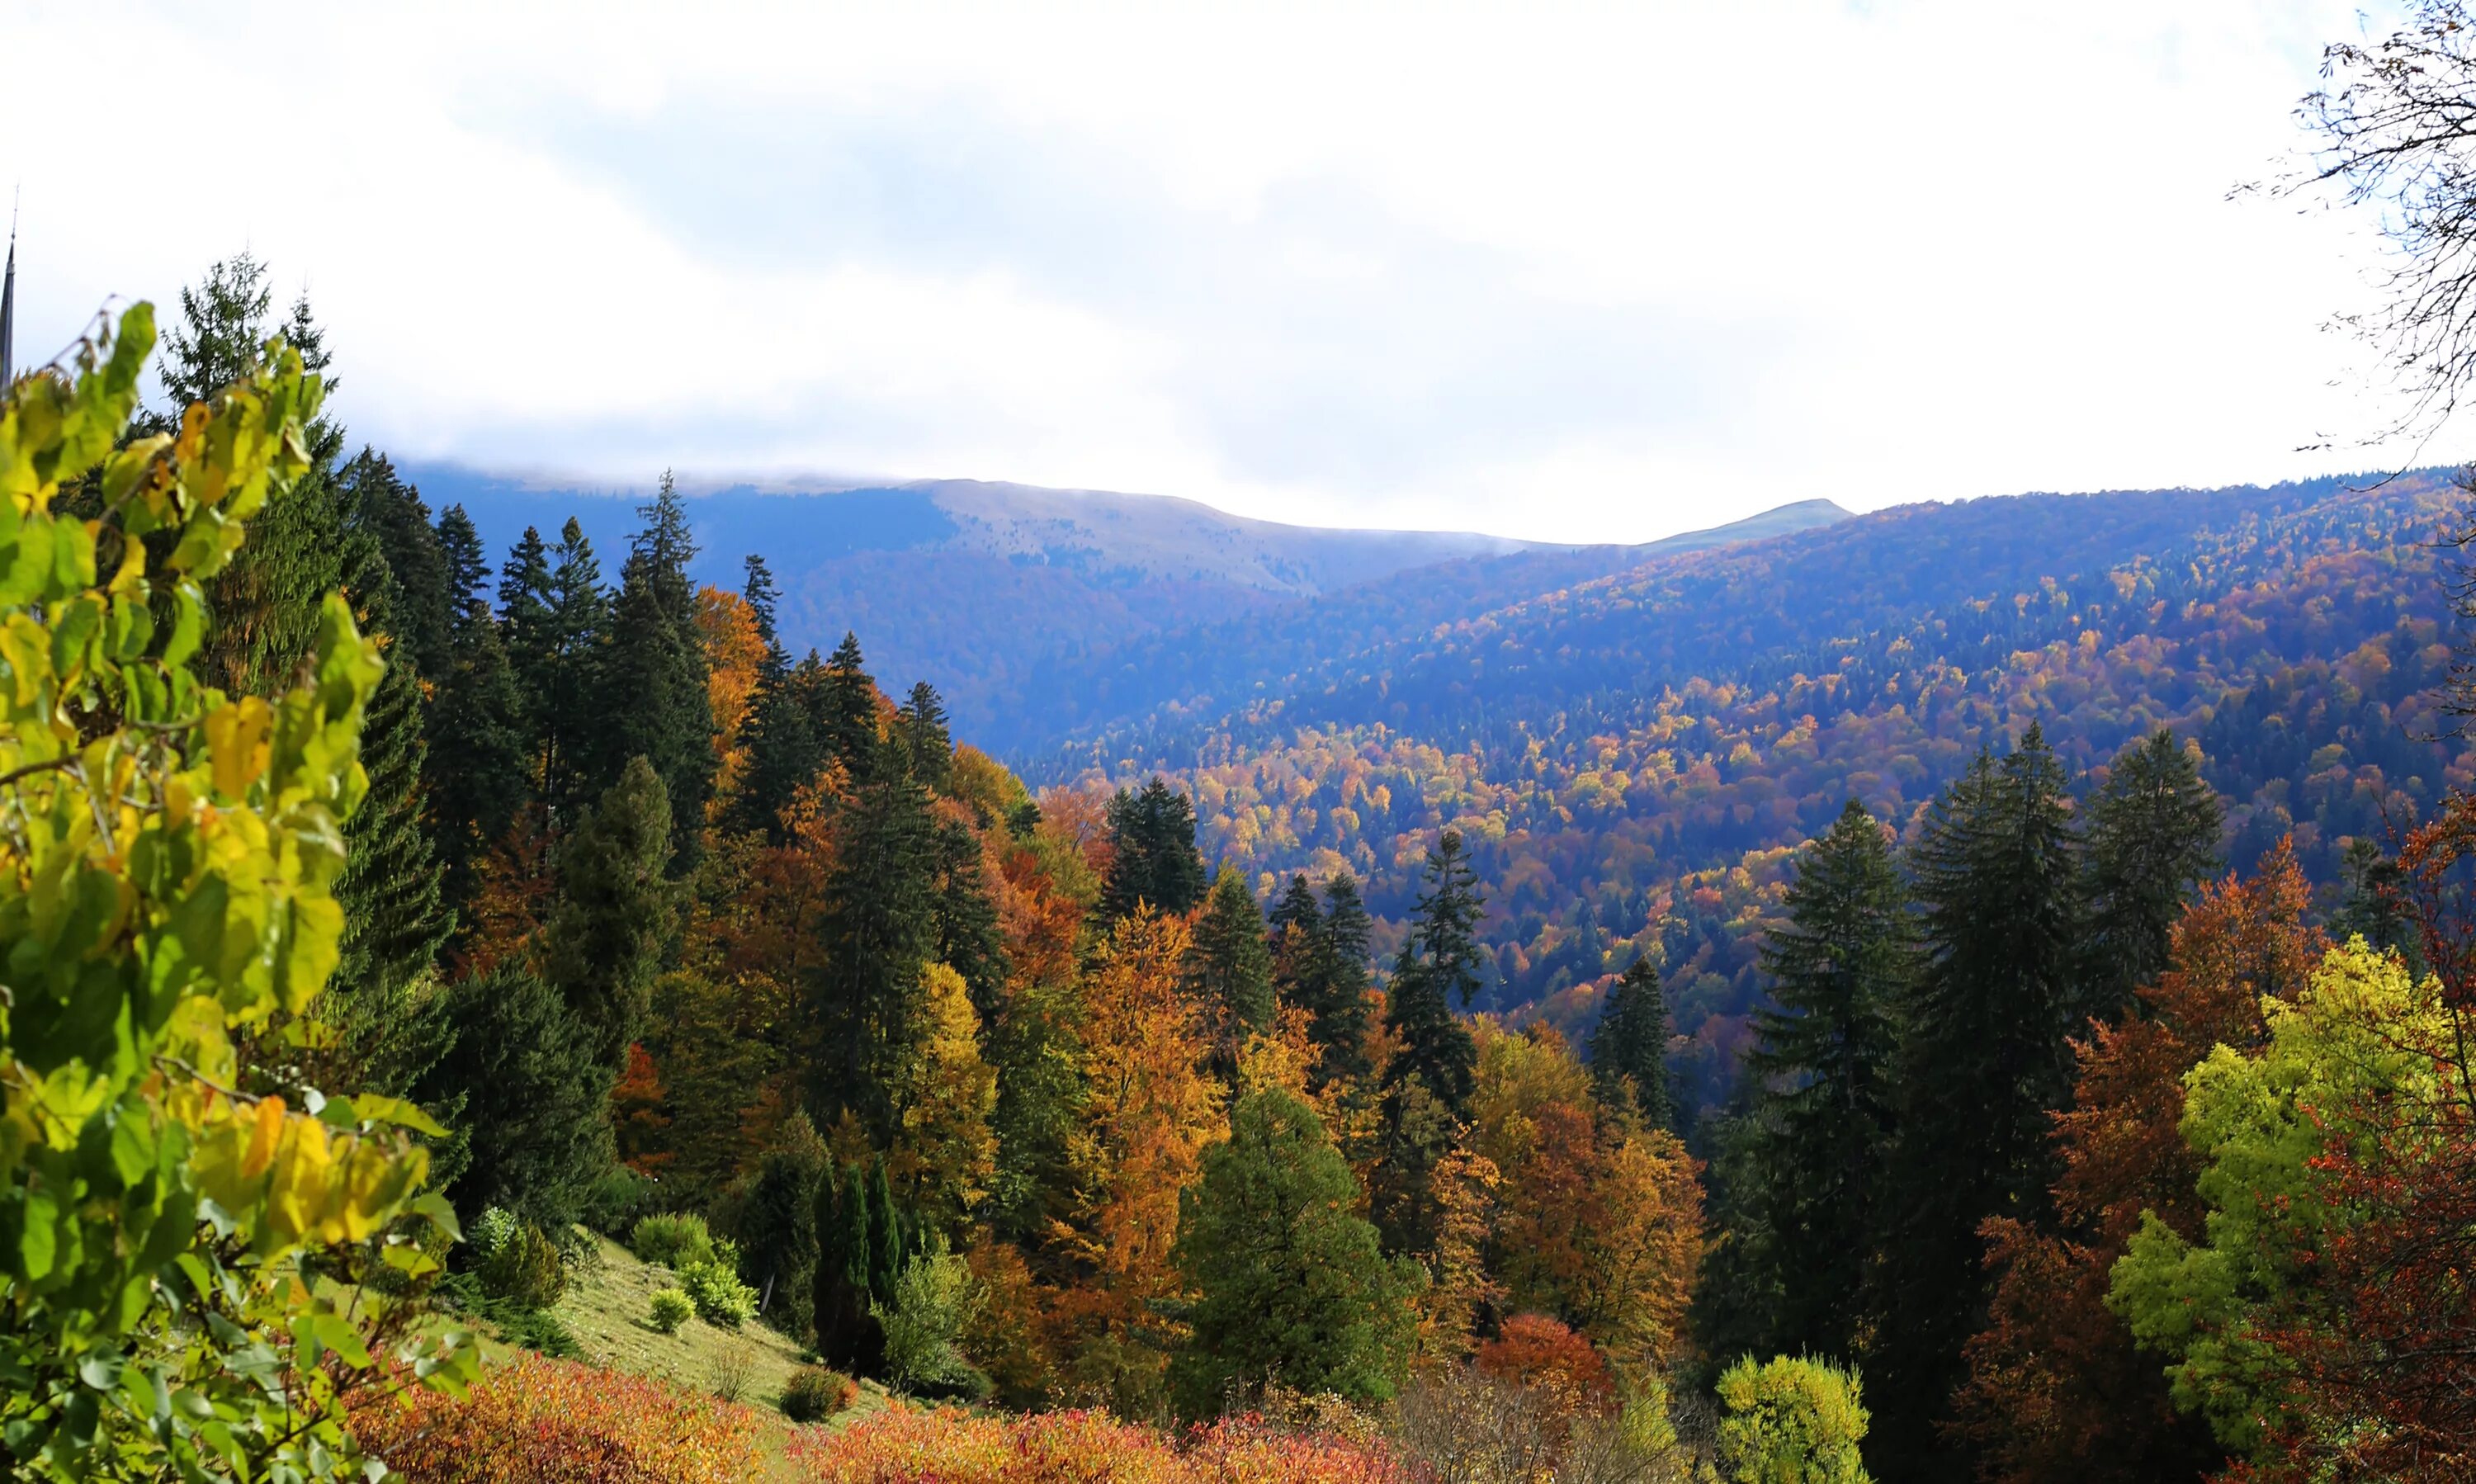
1024, 607
1636, 756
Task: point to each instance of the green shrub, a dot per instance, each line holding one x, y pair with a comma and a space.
525, 1269
672, 1240
537, 1330
614, 1199
1790, 1422
672, 1308
934, 1297
719, 1297
490, 1232
814, 1394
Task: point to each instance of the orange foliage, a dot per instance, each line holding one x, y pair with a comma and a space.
734, 653
2057, 1391
1534, 1350
899, 1446
509, 899
637, 1115
534, 1420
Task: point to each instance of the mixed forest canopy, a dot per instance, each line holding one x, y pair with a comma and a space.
1963, 992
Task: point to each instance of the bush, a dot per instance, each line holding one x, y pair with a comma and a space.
548, 1422
934, 1298
490, 1232
614, 1199
536, 1329
672, 1308
1532, 1350
1790, 1422
719, 1297
672, 1239
525, 1269
814, 1394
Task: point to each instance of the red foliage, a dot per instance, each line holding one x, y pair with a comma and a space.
636, 1114
2057, 1389
534, 1420
509, 899
1534, 1350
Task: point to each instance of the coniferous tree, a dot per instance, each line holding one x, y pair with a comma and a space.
1837, 967
1342, 977
783, 752
850, 1337
2372, 907
1153, 853
1290, 930
1982, 1060
556, 618
603, 941
392, 889
879, 930
843, 714
654, 658
968, 938
527, 1091
474, 771
1229, 970
2152, 840
421, 609
1439, 960
929, 752
1630, 1045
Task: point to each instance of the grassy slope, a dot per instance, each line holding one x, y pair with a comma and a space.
610, 1293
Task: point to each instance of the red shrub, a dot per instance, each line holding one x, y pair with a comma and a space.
1534, 1350
553, 1422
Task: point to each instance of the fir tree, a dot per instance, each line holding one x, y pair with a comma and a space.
1153, 854
1437, 961
474, 771
557, 619
603, 941
929, 752
1229, 970
968, 939
421, 610
1630, 1045
849, 1335
1837, 967
842, 701
1340, 977
654, 658
2372, 907
878, 932
1982, 1060
527, 1091
1291, 1285
781, 735
1291, 928
2152, 839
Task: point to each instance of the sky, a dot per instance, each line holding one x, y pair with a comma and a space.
1564, 273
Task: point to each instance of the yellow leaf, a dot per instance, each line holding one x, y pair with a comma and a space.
263, 1137
237, 741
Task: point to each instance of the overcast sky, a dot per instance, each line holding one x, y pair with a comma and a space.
1575, 274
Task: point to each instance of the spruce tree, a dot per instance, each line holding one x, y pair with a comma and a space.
1439, 960
1982, 1060
421, 610
968, 938
780, 733
475, 769
880, 929
849, 1335
1340, 975
556, 618
1837, 967
1630, 1045
527, 1092
929, 752
1229, 969
1153, 853
1291, 1284
1292, 951
654, 665
603, 941
842, 701
2152, 840
392, 889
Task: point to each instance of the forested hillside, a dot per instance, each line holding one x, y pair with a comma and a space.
1633, 758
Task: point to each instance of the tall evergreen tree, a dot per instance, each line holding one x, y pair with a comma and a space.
781, 735
392, 889
556, 618
879, 932
421, 610
968, 938
1153, 853
1229, 969
527, 1091
654, 658
1293, 956
1439, 960
603, 941
850, 1337
1984, 1059
1630, 1045
1340, 978
475, 769
928, 750
1837, 967
842, 701
2152, 840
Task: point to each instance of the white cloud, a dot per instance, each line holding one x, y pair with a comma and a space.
1572, 272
